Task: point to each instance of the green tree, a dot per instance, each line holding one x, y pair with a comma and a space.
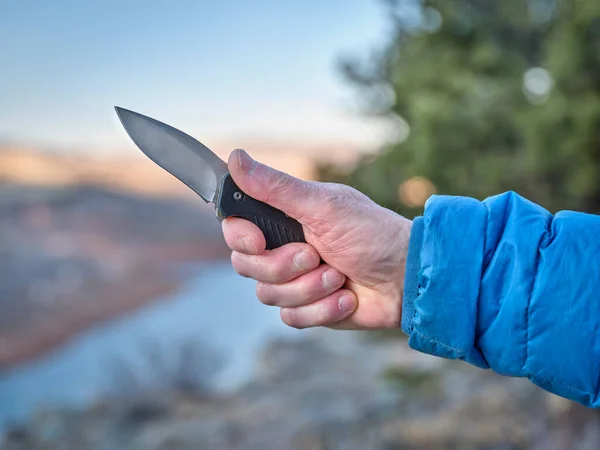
498, 96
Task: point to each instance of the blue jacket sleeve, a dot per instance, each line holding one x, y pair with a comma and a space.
504, 284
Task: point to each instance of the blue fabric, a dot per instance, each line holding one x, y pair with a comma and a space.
411, 279
504, 284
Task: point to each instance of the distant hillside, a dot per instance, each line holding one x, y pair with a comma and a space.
137, 174
28, 166
73, 256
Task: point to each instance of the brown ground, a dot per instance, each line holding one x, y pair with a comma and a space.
71, 258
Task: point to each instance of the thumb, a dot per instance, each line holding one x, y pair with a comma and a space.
291, 195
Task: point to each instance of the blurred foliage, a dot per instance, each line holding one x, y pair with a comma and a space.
185, 367
481, 120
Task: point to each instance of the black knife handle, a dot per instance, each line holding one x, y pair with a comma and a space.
279, 229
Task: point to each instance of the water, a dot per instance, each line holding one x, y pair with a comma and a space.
217, 308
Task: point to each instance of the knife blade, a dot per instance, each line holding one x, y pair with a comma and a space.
205, 173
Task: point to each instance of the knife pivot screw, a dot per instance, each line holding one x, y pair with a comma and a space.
238, 196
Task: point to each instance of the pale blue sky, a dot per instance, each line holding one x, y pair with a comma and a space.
218, 69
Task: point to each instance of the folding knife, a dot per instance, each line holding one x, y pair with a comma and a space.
206, 174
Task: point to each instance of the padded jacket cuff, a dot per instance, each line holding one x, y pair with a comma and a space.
440, 312
411, 275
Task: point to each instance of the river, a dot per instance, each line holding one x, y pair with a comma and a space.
216, 307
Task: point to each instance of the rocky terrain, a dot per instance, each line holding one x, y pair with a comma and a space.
76, 254
72, 256
308, 397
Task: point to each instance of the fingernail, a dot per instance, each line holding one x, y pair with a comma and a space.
330, 278
247, 164
248, 245
346, 303
305, 260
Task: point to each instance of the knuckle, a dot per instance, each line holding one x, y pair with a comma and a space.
246, 245
338, 197
346, 197
250, 264
245, 265
273, 273
289, 318
255, 264
322, 316
265, 295
236, 263
278, 270
280, 183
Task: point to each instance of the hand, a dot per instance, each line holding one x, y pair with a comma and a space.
363, 246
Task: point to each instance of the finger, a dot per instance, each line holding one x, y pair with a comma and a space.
243, 236
305, 289
324, 312
278, 265
294, 196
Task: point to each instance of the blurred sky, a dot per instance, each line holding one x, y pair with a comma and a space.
217, 69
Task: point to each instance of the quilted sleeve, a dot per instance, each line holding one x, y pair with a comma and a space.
504, 284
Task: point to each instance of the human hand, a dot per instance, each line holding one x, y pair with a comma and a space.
363, 246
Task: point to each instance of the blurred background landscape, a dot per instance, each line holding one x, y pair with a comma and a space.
122, 323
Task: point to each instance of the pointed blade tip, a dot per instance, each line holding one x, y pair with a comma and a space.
121, 111
124, 114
